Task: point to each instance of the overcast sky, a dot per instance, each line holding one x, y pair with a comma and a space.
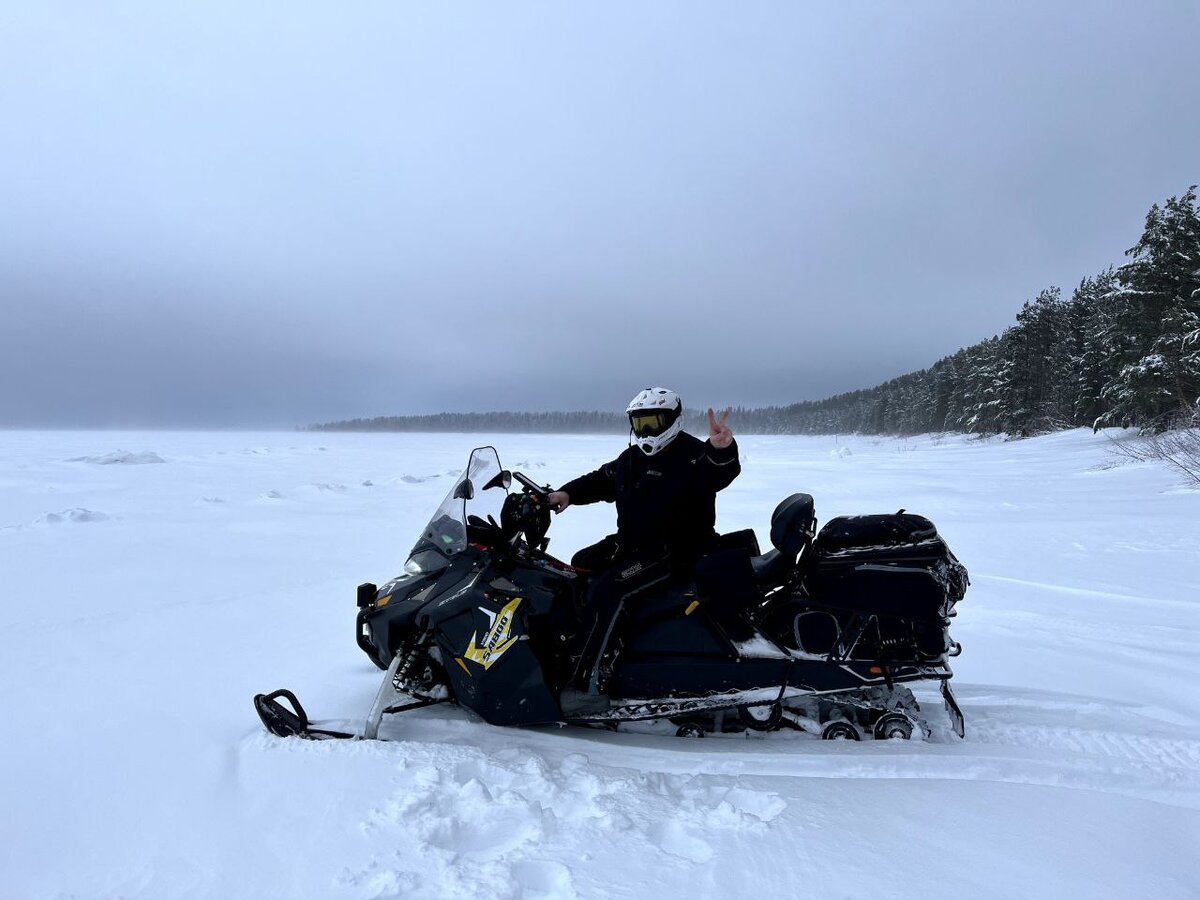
268, 214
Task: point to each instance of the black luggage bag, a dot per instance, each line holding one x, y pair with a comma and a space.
891, 565
881, 587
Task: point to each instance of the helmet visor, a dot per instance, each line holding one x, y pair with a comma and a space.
651, 422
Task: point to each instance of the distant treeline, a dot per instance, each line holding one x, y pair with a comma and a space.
1123, 349
501, 422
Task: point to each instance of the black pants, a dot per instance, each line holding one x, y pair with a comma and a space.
598, 557
619, 576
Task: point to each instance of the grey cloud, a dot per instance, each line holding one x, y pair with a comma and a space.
232, 215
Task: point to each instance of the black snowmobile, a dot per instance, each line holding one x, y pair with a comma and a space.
821, 634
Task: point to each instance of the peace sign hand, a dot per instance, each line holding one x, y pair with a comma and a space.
719, 434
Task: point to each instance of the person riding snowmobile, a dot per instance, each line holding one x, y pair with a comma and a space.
664, 486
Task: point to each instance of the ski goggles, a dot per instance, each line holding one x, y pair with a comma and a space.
650, 422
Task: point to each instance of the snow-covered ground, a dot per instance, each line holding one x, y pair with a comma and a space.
152, 582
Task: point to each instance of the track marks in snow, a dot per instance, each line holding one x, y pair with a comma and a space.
1014, 736
1082, 727
1096, 745
409, 478
1090, 639
325, 487
121, 458
77, 515
529, 464
315, 490
1072, 591
462, 822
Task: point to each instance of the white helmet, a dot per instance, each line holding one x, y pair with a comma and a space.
655, 417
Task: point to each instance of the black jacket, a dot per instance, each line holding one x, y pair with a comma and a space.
665, 502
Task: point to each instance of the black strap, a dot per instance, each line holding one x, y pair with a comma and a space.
416, 704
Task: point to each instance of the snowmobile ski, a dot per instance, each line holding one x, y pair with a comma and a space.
284, 722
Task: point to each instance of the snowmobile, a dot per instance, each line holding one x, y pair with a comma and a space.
821, 634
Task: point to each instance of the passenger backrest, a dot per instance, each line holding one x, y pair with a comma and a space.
793, 524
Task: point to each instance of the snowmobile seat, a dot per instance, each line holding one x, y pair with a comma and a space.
792, 526
769, 567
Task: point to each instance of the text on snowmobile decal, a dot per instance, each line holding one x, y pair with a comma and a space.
497, 640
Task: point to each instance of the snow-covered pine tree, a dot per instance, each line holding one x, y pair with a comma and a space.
1095, 344
946, 385
982, 387
1036, 367
1159, 290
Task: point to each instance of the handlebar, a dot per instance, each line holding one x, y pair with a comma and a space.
532, 487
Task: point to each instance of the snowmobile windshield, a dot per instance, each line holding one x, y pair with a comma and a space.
478, 491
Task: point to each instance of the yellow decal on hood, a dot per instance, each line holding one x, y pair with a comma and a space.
497, 640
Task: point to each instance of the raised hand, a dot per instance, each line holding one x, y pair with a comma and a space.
719, 434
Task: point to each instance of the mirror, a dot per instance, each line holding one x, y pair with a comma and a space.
502, 479
465, 490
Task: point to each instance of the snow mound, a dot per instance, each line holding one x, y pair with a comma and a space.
121, 458
270, 495
841, 452
72, 515
462, 816
413, 479
326, 487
